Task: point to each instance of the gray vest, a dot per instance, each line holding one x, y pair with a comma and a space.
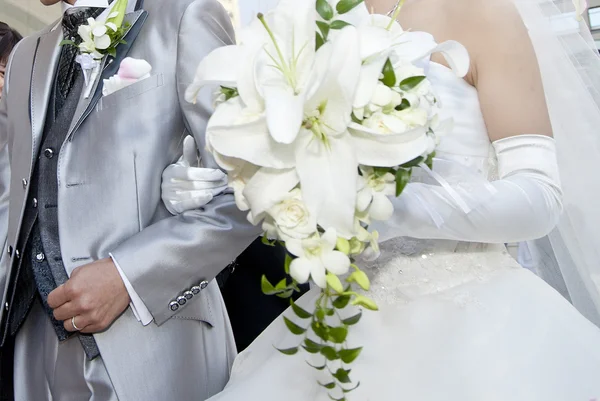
40, 268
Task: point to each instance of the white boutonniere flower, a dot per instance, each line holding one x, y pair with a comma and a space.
97, 39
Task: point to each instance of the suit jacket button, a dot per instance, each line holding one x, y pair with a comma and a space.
196, 290
49, 153
173, 306
188, 295
181, 300
204, 284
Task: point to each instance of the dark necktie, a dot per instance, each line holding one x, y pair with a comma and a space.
68, 69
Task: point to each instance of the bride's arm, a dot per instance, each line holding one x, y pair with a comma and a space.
526, 200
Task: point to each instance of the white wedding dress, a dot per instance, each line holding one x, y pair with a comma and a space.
457, 321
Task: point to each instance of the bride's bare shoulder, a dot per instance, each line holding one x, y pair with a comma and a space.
484, 27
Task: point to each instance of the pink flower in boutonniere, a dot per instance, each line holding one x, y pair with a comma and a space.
580, 7
130, 71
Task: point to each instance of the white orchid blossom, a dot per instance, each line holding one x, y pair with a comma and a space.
94, 37
373, 194
315, 256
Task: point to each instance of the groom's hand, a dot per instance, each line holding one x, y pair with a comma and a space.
95, 295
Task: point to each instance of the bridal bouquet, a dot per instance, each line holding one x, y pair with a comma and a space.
322, 112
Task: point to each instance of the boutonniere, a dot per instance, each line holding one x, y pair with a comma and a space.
98, 39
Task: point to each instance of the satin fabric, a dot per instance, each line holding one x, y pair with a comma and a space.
44, 368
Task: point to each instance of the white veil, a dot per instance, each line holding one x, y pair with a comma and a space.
570, 68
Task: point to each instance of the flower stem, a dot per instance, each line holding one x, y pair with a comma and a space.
395, 15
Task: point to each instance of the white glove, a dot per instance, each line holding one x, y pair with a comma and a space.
186, 186
526, 203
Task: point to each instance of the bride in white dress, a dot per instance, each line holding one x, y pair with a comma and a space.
459, 319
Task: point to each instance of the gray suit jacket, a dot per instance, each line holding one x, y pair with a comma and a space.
109, 199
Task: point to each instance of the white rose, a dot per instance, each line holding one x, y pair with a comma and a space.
385, 123
412, 117
292, 218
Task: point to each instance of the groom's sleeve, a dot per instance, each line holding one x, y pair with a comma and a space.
171, 256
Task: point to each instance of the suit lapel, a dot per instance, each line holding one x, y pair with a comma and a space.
42, 77
136, 21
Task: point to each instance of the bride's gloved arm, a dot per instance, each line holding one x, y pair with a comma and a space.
525, 203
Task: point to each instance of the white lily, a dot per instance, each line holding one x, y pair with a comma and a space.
315, 256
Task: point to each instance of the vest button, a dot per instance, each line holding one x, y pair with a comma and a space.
24, 182
40, 257
18, 254
10, 250
6, 306
49, 153
35, 202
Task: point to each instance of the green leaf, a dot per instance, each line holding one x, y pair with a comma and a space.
317, 367
360, 277
347, 390
334, 282
429, 161
330, 311
339, 24
338, 334
266, 286
267, 241
381, 171
324, 28
347, 5
330, 353
312, 346
282, 285
288, 262
414, 162
320, 329
410, 83
352, 320
288, 351
301, 313
349, 355
229, 93
341, 302
285, 294
405, 104
342, 375
365, 302
328, 386
402, 178
320, 314
293, 327
389, 76
319, 41
324, 9
67, 42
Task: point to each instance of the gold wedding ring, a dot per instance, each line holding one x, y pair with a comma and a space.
74, 325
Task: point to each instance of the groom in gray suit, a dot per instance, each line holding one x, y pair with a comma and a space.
105, 295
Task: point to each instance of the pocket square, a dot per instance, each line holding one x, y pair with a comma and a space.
131, 70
